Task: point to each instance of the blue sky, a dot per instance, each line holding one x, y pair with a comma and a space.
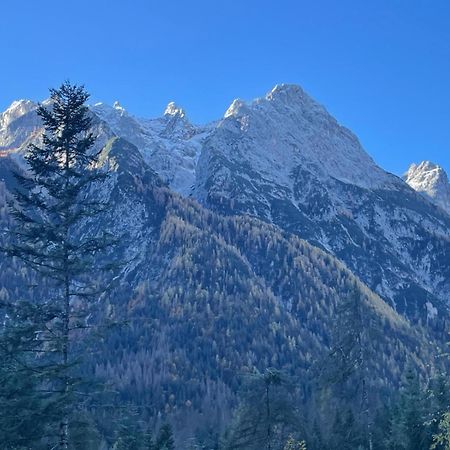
382, 68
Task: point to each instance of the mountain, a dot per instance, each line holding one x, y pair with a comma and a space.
171, 145
207, 298
284, 159
432, 181
242, 240
18, 125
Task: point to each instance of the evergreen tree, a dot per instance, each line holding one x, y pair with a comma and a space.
148, 442
52, 205
24, 404
315, 438
345, 433
440, 413
441, 440
84, 434
380, 427
165, 440
129, 434
346, 369
293, 444
128, 441
407, 430
266, 415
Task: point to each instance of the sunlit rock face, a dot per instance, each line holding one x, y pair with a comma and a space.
432, 181
18, 124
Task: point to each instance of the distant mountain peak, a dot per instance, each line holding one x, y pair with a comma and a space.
118, 107
173, 110
17, 124
235, 109
286, 129
285, 91
15, 110
431, 180
293, 96
286, 94
106, 110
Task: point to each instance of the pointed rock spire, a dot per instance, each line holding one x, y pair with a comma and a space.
430, 180
173, 110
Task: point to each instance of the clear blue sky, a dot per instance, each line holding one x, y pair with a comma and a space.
382, 68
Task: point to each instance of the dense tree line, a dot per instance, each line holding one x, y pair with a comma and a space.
269, 416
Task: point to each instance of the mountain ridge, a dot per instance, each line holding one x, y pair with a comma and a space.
284, 159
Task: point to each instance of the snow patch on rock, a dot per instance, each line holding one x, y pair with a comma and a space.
430, 180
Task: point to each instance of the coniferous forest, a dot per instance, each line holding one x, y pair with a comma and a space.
133, 317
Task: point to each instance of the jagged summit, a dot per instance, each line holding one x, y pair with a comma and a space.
237, 106
17, 109
108, 111
17, 125
118, 107
431, 180
281, 95
287, 128
21, 106
286, 92
172, 109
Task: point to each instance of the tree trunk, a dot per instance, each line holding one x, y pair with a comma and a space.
269, 428
64, 426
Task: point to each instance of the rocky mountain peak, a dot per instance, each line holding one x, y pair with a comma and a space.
431, 180
173, 110
286, 92
107, 112
118, 107
286, 129
235, 108
17, 109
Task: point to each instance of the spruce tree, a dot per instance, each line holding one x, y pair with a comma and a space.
148, 442
164, 440
24, 406
53, 209
442, 438
346, 369
407, 428
293, 444
267, 414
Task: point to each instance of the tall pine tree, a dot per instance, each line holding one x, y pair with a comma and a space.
53, 209
26, 406
267, 414
345, 372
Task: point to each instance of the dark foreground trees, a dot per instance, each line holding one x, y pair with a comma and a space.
131, 437
53, 208
267, 416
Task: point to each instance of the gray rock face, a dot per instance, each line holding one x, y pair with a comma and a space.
430, 180
171, 145
18, 124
